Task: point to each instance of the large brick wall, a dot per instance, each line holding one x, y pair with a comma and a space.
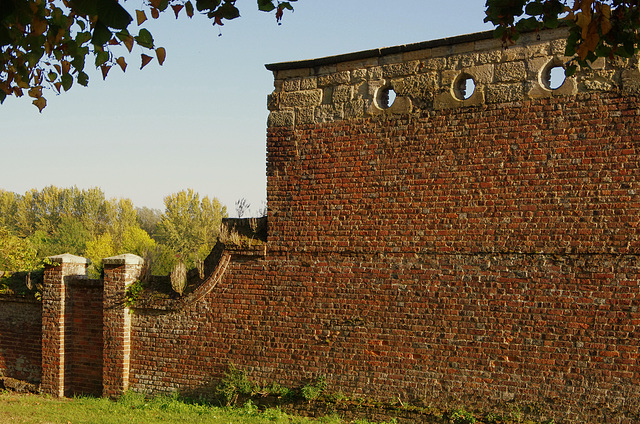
439, 249
442, 248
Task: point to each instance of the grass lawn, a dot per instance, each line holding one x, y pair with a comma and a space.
134, 408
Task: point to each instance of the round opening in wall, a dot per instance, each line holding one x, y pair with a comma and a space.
553, 76
464, 87
386, 97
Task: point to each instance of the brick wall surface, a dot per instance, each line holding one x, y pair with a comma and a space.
438, 249
84, 343
20, 339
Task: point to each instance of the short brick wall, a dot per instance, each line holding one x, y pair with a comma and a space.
20, 339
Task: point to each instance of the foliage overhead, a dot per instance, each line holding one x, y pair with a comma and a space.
45, 44
605, 28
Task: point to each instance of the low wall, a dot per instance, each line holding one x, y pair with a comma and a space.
20, 338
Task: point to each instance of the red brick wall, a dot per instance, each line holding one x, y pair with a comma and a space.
83, 338
462, 255
189, 349
20, 339
553, 176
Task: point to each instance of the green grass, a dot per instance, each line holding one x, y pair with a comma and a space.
134, 408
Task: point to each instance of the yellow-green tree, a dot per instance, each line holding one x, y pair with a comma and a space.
190, 225
16, 254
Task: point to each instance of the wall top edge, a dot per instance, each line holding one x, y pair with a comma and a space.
126, 259
68, 258
380, 52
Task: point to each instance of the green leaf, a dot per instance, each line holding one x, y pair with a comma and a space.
203, 5
101, 57
144, 38
78, 62
266, 5
552, 22
570, 70
83, 37
528, 24
83, 79
85, 7
123, 35
3, 96
101, 34
228, 11
113, 15
534, 9
67, 81
572, 43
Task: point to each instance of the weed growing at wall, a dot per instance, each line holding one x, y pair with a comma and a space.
132, 293
313, 391
460, 416
235, 382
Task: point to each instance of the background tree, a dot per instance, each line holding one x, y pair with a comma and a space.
16, 254
56, 220
46, 43
190, 226
597, 28
148, 219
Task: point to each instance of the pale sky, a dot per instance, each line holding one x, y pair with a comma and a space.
199, 121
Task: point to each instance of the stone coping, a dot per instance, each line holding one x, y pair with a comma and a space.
68, 258
380, 52
125, 259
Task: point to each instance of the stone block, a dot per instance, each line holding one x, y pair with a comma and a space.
436, 63
357, 64
305, 115
482, 74
400, 69
493, 56
308, 83
417, 55
419, 86
510, 72
631, 81
291, 85
354, 109
334, 79
329, 113
342, 93
284, 118
301, 98
505, 93
358, 75
292, 73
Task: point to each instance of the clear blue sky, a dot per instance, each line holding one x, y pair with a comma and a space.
199, 121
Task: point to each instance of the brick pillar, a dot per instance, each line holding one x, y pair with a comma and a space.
119, 273
54, 295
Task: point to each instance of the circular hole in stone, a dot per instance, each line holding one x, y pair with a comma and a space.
386, 97
464, 87
553, 76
